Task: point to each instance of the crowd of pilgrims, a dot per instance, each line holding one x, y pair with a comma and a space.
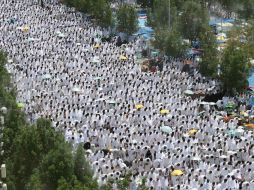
89, 89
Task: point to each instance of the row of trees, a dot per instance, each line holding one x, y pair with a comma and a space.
245, 9
100, 10
187, 21
37, 157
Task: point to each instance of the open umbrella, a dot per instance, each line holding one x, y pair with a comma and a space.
97, 78
201, 113
123, 58
203, 103
89, 151
97, 46
244, 114
20, 105
33, 39
239, 130
249, 125
231, 152
112, 102
76, 89
188, 92
177, 173
46, 76
223, 156
192, 131
164, 111
166, 129
196, 158
232, 132
230, 105
96, 60
10, 61
139, 106
61, 35
25, 29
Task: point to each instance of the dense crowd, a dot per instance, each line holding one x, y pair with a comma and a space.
128, 120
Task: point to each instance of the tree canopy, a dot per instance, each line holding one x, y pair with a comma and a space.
192, 20
99, 9
170, 42
127, 19
235, 66
209, 59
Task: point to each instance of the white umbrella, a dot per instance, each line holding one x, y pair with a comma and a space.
203, 103
188, 92
10, 61
223, 156
97, 78
33, 39
76, 89
96, 60
61, 35
222, 34
231, 152
239, 130
89, 151
166, 129
46, 76
196, 158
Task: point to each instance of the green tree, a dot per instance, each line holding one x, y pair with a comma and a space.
102, 12
80, 163
74, 184
145, 3
27, 155
235, 67
84, 6
35, 182
82, 169
249, 34
158, 16
56, 164
192, 19
209, 58
248, 10
127, 20
170, 42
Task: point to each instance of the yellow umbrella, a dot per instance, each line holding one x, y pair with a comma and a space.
192, 131
139, 106
164, 111
177, 173
20, 105
97, 46
25, 28
123, 57
221, 38
244, 114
